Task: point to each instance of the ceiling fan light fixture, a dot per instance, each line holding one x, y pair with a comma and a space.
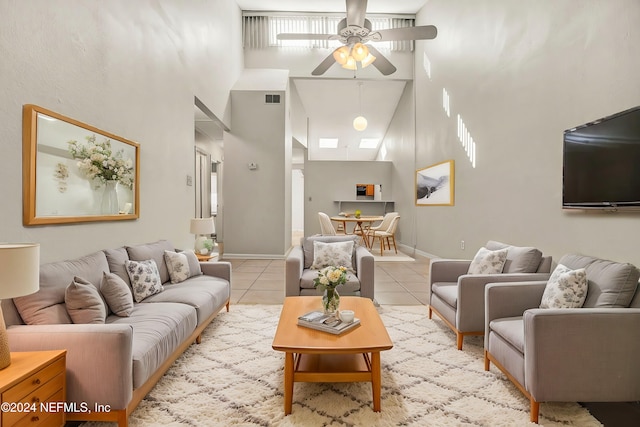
341, 55
368, 60
350, 64
359, 51
360, 123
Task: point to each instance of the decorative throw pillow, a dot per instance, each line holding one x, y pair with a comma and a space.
332, 254
145, 278
117, 294
178, 266
194, 264
488, 262
84, 303
565, 288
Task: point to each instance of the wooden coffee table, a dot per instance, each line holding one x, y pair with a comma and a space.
315, 356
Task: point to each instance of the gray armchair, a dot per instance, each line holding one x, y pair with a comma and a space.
458, 298
587, 354
299, 277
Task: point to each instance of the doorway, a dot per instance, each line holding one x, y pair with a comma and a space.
208, 160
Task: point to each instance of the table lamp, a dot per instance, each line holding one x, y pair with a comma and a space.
19, 275
202, 228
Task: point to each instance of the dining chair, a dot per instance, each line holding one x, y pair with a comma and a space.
326, 227
387, 236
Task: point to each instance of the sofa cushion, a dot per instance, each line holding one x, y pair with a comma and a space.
447, 292
520, 259
116, 259
336, 254
154, 251
307, 246
207, 294
565, 288
145, 279
351, 286
117, 294
611, 284
180, 267
158, 330
488, 262
84, 303
511, 329
46, 306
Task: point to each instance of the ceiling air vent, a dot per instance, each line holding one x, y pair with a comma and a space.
271, 99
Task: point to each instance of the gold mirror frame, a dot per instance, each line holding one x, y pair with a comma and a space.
73, 172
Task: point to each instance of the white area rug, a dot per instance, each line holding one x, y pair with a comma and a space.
234, 378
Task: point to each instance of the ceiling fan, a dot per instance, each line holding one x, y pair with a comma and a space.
354, 32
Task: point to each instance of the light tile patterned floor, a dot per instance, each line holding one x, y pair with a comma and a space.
260, 281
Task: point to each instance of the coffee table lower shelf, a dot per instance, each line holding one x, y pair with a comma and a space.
331, 368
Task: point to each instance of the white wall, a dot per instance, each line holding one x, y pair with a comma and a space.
257, 202
519, 74
129, 68
328, 181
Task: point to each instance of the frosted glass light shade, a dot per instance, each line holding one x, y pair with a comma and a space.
350, 64
341, 55
360, 123
368, 60
359, 51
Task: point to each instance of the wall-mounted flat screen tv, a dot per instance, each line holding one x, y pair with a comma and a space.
601, 163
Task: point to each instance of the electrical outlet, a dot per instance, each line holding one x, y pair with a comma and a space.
462, 244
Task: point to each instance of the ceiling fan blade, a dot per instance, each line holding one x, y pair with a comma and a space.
324, 65
424, 32
381, 63
304, 36
356, 10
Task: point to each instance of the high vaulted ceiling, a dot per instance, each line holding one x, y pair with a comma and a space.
332, 103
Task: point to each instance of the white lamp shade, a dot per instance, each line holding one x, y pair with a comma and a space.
350, 64
19, 269
202, 226
360, 123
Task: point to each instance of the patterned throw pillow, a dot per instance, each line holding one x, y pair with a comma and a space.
84, 303
182, 265
178, 266
332, 254
565, 288
488, 262
145, 278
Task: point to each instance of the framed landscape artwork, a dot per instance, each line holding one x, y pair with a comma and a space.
435, 185
74, 172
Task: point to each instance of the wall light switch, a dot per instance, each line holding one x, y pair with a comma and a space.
189, 180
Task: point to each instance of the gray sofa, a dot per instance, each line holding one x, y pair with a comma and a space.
587, 354
116, 363
299, 276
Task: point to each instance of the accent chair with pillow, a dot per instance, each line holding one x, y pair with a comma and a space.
572, 338
317, 252
456, 287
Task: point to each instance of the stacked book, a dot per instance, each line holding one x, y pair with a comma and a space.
326, 322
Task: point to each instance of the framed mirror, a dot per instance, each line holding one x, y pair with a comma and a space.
74, 172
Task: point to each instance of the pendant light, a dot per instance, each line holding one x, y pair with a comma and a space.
360, 123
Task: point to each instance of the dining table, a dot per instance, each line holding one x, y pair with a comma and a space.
358, 227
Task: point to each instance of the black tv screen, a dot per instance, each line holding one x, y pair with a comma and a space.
601, 163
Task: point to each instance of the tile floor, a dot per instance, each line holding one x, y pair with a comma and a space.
261, 281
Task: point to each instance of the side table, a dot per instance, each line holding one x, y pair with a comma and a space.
33, 379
